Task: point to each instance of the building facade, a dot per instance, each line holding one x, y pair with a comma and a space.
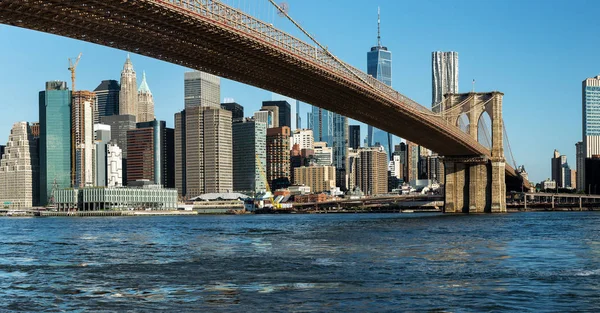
318, 178
340, 149
592, 175
303, 138
580, 164
323, 155
591, 116
82, 136
266, 117
354, 137
114, 165
218, 154
128, 96
249, 156
95, 199
145, 112
278, 157
19, 172
102, 139
201, 89
236, 109
151, 153
119, 126
107, 95
372, 171
444, 77
284, 112
55, 139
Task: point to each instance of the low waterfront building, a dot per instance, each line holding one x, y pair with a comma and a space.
312, 198
97, 198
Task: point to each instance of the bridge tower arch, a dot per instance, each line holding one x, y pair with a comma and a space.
476, 183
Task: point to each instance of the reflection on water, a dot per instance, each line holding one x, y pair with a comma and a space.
340, 263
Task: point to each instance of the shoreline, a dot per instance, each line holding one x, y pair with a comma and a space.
382, 210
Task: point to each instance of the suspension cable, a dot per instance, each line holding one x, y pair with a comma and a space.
509, 147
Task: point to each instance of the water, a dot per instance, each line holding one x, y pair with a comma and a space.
302, 263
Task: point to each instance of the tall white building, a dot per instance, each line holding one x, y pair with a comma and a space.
303, 137
83, 144
18, 167
202, 89
114, 165
444, 74
128, 96
591, 115
145, 111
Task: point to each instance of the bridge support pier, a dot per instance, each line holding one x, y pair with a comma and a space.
474, 184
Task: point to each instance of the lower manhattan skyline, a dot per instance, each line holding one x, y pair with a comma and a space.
518, 64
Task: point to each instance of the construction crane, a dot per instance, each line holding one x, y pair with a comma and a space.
72, 67
276, 205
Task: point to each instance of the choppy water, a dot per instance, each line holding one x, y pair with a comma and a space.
299, 263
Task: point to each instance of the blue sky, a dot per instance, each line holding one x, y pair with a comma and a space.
536, 52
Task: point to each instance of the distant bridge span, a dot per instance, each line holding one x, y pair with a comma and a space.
207, 35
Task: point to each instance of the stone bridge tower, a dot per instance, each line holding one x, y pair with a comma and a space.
476, 183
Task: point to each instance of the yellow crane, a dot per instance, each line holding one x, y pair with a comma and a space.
276, 205
72, 67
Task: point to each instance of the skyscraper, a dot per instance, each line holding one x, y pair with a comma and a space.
340, 149
107, 95
201, 89
119, 125
285, 112
218, 159
249, 148
322, 125
151, 153
203, 139
372, 171
298, 118
354, 136
19, 169
379, 65
128, 95
580, 164
55, 139
561, 172
444, 76
278, 157
145, 111
591, 116
82, 137
412, 161
236, 109
102, 139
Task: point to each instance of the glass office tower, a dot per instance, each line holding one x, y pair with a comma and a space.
55, 139
379, 65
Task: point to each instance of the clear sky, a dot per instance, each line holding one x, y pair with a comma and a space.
536, 52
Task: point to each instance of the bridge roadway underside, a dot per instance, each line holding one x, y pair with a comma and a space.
163, 31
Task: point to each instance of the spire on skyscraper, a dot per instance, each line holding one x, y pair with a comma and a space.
378, 27
144, 85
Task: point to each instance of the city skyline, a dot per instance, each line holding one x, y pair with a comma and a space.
502, 70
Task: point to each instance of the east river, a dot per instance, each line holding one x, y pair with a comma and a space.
523, 262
